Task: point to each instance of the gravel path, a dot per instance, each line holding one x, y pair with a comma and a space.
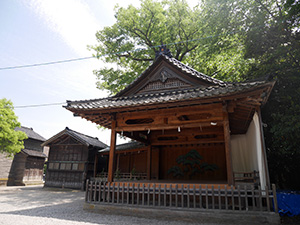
44, 206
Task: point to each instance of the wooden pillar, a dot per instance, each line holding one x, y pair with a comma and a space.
227, 147
118, 161
95, 164
263, 147
110, 176
149, 155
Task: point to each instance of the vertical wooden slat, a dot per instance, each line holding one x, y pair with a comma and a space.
113, 193
246, 197
182, 196
176, 195
104, 192
123, 190
154, 194
219, 197
118, 193
159, 193
275, 198
110, 176
213, 196
232, 198
239, 198
99, 192
86, 190
91, 191
194, 196
253, 198
170, 203
138, 194
200, 196
95, 192
143, 195
260, 197
206, 196
226, 197
128, 193
148, 196
165, 195
267, 198
108, 192
188, 196
132, 194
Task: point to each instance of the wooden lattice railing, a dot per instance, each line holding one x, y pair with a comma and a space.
242, 198
121, 176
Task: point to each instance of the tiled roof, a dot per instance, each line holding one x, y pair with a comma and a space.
84, 139
163, 97
181, 66
34, 153
127, 146
30, 133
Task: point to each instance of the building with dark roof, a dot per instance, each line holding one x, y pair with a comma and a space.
26, 168
71, 158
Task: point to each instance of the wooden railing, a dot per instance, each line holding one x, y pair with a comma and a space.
242, 198
121, 176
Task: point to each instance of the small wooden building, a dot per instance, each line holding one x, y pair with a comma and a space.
71, 158
27, 166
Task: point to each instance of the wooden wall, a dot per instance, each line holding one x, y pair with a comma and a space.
67, 164
211, 153
130, 160
5, 167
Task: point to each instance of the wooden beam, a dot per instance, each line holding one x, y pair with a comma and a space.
264, 153
110, 176
95, 164
149, 162
146, 127
228, 148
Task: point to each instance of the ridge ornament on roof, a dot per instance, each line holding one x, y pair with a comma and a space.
163, 50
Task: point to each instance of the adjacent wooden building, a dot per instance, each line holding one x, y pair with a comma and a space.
26, 168
71, 158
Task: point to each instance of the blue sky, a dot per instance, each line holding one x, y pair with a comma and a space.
38, 31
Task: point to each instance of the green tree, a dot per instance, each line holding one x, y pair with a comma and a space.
129, 45
271, 39
11, 141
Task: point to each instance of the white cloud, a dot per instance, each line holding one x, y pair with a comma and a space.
73, 20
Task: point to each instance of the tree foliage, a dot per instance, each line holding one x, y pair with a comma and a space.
272, 40
11, 141
129, 45
232, 40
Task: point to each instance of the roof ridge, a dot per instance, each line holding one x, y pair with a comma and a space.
67, 128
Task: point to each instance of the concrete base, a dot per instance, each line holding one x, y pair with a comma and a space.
188, 215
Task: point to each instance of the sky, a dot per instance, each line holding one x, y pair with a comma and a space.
40, 31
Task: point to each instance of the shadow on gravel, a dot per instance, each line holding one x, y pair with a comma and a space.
64, 204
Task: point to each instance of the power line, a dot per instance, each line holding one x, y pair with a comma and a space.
38, 105
46, 63
116, 53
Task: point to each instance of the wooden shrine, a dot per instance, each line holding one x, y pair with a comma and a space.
173, 109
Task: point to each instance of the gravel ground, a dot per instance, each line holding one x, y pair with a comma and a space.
44, 206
